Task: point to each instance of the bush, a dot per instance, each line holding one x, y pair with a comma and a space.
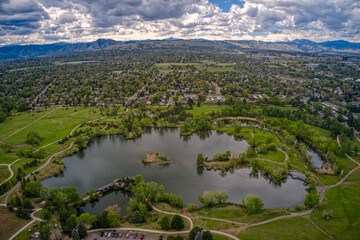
327, 214
165, 223
312, 199
45, 214
177, 222
253, 203
191, 207
194, 232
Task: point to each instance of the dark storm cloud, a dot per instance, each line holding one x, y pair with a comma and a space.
106, 13
21, 13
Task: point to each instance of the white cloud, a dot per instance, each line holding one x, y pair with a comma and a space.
49, 21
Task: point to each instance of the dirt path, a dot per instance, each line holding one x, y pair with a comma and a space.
318, 227
277, 218
286, 155
2, 141
338, 140
184, 216
17, 186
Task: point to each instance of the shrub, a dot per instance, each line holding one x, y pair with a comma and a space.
253, 203
177, 222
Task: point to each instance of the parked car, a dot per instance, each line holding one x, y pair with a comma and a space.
142, 236
101, 234
127, 235
120, 235
135, 235
106, 234
161, 238
113, 234
116, 235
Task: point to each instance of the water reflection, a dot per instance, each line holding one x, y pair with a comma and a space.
111, 157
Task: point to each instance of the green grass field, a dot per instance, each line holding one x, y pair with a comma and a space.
344, 201
20, 120
206, 109
275, 156
54, 126
291, 228
355, 177
4, 173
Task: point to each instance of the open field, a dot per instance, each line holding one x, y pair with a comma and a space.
344, 202
9, 223
54, 126
206, 109
4, 173
292, 228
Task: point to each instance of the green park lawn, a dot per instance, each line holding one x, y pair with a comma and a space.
291, 228
206, 109
4, 173
344, 202
54, 126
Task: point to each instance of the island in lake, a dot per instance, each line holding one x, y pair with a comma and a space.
157, 158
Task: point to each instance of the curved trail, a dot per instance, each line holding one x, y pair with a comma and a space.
219, 219
34, 219
9, 165
184, 216
17, 186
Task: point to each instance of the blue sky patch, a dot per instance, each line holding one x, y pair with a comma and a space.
226, 4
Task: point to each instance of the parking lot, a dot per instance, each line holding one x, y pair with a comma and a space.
96, 235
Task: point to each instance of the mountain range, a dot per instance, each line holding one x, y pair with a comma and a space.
13, 52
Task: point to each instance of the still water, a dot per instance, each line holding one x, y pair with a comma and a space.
110, 157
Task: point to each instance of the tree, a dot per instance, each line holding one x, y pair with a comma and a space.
45, 214
253, 203
177, 222
186, 126
207, 236
27, 204
165, 223
318, 106
210, 198
80, 142
311, 199
113, 219
75, 234
200, 159
194, 232
2, 116
82, 230
33, 138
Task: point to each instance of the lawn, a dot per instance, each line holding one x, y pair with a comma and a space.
354, 177
222, 211
56, 125
344, 201
19, 120
4, 173
275, 156
291, 228
206, 109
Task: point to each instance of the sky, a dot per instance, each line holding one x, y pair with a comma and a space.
49, 21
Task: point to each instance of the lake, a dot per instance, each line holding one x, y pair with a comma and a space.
109, 157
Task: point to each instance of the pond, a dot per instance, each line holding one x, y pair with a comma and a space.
316, 160
110, 157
